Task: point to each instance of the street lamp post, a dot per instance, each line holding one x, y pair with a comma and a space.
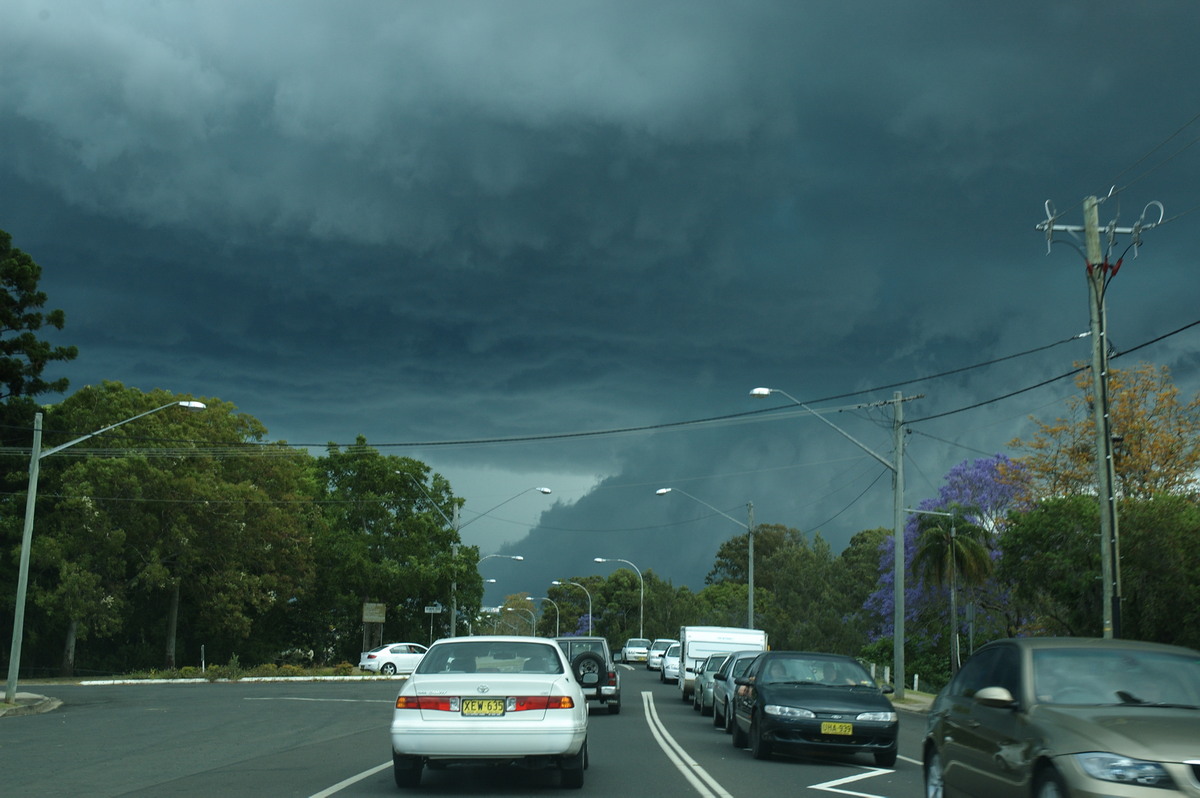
641, 590
532, 618
749, 527
457, 527
35, 457
896, 466
589, 598
557, 614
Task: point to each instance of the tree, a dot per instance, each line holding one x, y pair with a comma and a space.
1157, 447
24, 356
950, 551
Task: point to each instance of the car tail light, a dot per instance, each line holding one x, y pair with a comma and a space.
435, 703
525, 703
511, 703
612, 678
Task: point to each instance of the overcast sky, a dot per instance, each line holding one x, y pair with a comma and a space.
432, 223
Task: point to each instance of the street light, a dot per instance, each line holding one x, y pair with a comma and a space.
589, 598
557, 614
896, 466
532, 617
516, 557
35, 457
457, 527
641, 587
749, 527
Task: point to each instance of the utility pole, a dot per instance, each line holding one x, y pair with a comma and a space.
750, 564
1099, 273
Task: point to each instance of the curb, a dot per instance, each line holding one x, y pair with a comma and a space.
29, 704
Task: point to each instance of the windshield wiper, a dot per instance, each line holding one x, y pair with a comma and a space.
1129, 699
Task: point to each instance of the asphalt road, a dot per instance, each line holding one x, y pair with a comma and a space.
323, 739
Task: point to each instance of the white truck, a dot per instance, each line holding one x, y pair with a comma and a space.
697, 642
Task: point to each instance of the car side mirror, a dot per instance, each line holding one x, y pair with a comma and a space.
998, 697
743, 681
888, 689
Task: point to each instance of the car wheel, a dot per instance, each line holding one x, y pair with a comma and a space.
588, 662
573, 767
1049, 784
718, 718
759, 748
388, 669
706, 710
614, 708
934, 785
739, 736
406, 770
727, 718
885, 759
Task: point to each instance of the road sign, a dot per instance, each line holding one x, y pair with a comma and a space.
433, 609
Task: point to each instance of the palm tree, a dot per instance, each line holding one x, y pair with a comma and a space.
951, 549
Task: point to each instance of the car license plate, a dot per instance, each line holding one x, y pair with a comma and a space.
483, 706
837, 728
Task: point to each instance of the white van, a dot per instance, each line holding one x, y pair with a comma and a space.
697, 642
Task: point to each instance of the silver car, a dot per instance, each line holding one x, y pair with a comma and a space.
657, 649
702, 693
723, 687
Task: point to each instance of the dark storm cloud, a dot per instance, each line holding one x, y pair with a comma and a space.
443, 221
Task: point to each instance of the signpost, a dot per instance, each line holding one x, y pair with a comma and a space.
432, 610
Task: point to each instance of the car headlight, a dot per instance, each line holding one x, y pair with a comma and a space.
1124, 770
787, 712
878, 717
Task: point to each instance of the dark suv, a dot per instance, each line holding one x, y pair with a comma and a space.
589, 655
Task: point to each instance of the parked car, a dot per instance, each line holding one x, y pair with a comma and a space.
491, 700
636, 649
655, 655
670, 665
392, 659
724, 687
1044, 716
589, 655
702, 692
802, 702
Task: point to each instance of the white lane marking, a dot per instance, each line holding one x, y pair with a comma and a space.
832, 786
697, 776
341, 785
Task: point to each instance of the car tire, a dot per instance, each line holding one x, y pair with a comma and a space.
759, 748
406, 770
718, 718
388, 669
935, 786
885, 759
739, 736
614, 707
727, 717
572, 768
589, 662
1049, 784
705, 711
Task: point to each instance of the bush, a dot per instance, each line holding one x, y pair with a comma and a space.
343, 668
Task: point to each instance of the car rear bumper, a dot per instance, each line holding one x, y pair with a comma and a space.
502, 741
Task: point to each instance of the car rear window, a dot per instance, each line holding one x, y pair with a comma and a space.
498, 657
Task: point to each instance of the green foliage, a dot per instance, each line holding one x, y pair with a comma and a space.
24, 356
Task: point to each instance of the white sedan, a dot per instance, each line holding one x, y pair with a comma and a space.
491, 700
670, 665
392, 659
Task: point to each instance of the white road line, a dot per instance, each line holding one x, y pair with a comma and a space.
832, 786
341, 785
697, 776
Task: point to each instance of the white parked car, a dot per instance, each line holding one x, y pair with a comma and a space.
670, 665
491, 700
392, 659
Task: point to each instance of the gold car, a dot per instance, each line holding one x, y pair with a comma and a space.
1051, 717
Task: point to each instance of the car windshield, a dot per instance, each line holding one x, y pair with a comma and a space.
804, 670
673, 651
490, 657
1127, 676
638, 643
